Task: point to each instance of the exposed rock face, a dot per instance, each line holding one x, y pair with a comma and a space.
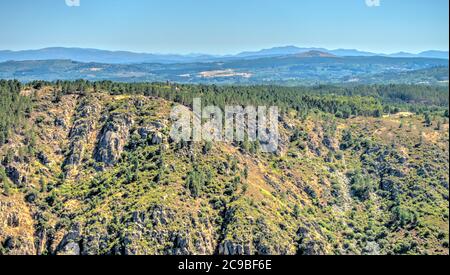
60, 122
230, 248
30, 198
314, 147
243, 234
94, 240
70, 244
94, 244
248, 203
372, 248
145, 132
152, 133
330, 143
153, 225
12, 220
88, 113
157, 138
71, 248
308, 244
16, 226
146, 223
43, 158
113, 139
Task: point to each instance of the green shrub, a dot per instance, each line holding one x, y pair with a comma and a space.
360, 185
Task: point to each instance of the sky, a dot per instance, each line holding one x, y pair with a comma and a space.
225, 26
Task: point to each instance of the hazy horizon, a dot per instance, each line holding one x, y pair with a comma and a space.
223, 54
225, 27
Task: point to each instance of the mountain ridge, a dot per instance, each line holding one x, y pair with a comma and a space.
91, 169
129, 57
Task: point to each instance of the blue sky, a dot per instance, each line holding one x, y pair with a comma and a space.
225, 26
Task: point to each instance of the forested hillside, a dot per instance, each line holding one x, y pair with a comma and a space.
90, 168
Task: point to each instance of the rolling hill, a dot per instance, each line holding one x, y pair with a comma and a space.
312, 67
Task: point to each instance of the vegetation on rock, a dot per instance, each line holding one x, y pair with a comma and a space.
89, 168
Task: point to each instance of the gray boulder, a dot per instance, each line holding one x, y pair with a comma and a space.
113, 139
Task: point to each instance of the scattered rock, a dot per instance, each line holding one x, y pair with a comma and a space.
372, 248
330, 143
13, 220
233, 249
70, 244
307, 244
157, 138
59, 122
42, 157
145, 132
30, 198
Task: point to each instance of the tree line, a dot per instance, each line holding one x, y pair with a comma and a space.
342, 101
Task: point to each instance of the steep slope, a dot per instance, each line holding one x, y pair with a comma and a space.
104, 177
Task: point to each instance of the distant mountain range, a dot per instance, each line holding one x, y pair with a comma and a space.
100, 56
124, 57
289, 50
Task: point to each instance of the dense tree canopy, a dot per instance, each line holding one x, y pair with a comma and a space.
13, 108
342, 101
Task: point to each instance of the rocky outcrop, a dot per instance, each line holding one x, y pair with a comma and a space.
43, 158
157, 138
231, 248
330, 143
314, 146
16, 226
113, 138
308, 244
87, 116
12, 220
70, 244
152, 133
152, 232
249, 203
244, 234
60, 122
372, 248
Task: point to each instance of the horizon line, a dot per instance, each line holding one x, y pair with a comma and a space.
224, 54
